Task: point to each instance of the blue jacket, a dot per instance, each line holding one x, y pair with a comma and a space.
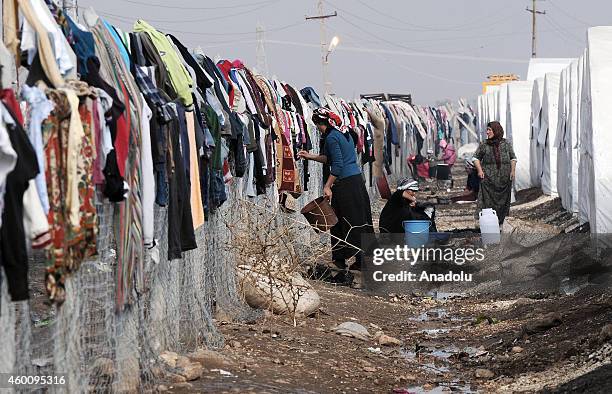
341, 155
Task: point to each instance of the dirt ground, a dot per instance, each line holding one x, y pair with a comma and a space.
444, 343
532, 342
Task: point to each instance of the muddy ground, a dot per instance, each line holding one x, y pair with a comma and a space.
444, 343
526, 342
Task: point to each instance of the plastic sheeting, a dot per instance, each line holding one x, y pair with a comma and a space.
548, 133
563, 127
535, 166
597, 91
518, 111
502, 104
540, 66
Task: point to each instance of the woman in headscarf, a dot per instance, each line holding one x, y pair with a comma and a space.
345, 187
402, 206
449, 154
495, 164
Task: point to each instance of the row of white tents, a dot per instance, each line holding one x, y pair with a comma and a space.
560, 124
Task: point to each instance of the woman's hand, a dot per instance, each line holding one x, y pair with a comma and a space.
512, 175
327, 192
304, 155
481, 174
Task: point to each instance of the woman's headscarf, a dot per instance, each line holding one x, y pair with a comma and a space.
326, 117
498, 136
408, 184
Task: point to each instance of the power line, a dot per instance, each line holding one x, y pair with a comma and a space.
417, 28
120, 17
560, 30
404, 53
569, 15
200, 33
178, 7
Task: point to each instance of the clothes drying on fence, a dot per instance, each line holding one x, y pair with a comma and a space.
137, 119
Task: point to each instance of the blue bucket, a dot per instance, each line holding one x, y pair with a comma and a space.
416, 233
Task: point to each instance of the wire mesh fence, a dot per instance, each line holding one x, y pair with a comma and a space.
101, 350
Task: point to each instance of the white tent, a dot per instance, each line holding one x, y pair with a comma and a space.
517, 126
481, 114
563, 127
492, 110
597, 123
535, 166
575, 88
548, 133
583, 171
502, 104
539, 66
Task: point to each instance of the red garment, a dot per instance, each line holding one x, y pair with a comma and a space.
122, 139
225, 66
8, 98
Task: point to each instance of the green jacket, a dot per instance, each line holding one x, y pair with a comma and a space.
179, 76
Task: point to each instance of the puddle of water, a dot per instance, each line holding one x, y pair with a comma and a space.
453, 387
445, 352
437, 313
441, 295
435, 331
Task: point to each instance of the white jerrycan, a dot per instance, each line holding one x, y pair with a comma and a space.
489, 226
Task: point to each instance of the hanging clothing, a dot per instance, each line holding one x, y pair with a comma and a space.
13, 253
179, 77
40, 108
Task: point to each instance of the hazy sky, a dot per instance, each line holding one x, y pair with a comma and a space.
433, 49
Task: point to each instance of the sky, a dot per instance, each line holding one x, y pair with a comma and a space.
435, 50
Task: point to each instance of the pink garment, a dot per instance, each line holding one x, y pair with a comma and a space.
450, 155
98, 177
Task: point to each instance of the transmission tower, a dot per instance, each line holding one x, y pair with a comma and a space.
261, 59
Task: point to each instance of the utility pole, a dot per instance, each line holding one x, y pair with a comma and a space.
261, 58
321, 17
534, 14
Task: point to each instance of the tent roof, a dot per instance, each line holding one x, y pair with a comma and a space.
539, 66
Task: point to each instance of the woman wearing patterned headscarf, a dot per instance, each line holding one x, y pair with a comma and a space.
402, 206
495, 164
345, 187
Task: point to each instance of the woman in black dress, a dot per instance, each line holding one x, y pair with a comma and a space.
345, 187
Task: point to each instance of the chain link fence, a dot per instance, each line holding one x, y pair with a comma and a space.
101, 350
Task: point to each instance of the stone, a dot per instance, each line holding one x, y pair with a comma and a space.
369, 369
235, 344
353, 330
161, 388
191, 372
169, 358
517, 349
606, 333
182, 362
184, 385
277, 291
103, 367
484, 373
175, 378
210, 359
386, 340
543, 324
